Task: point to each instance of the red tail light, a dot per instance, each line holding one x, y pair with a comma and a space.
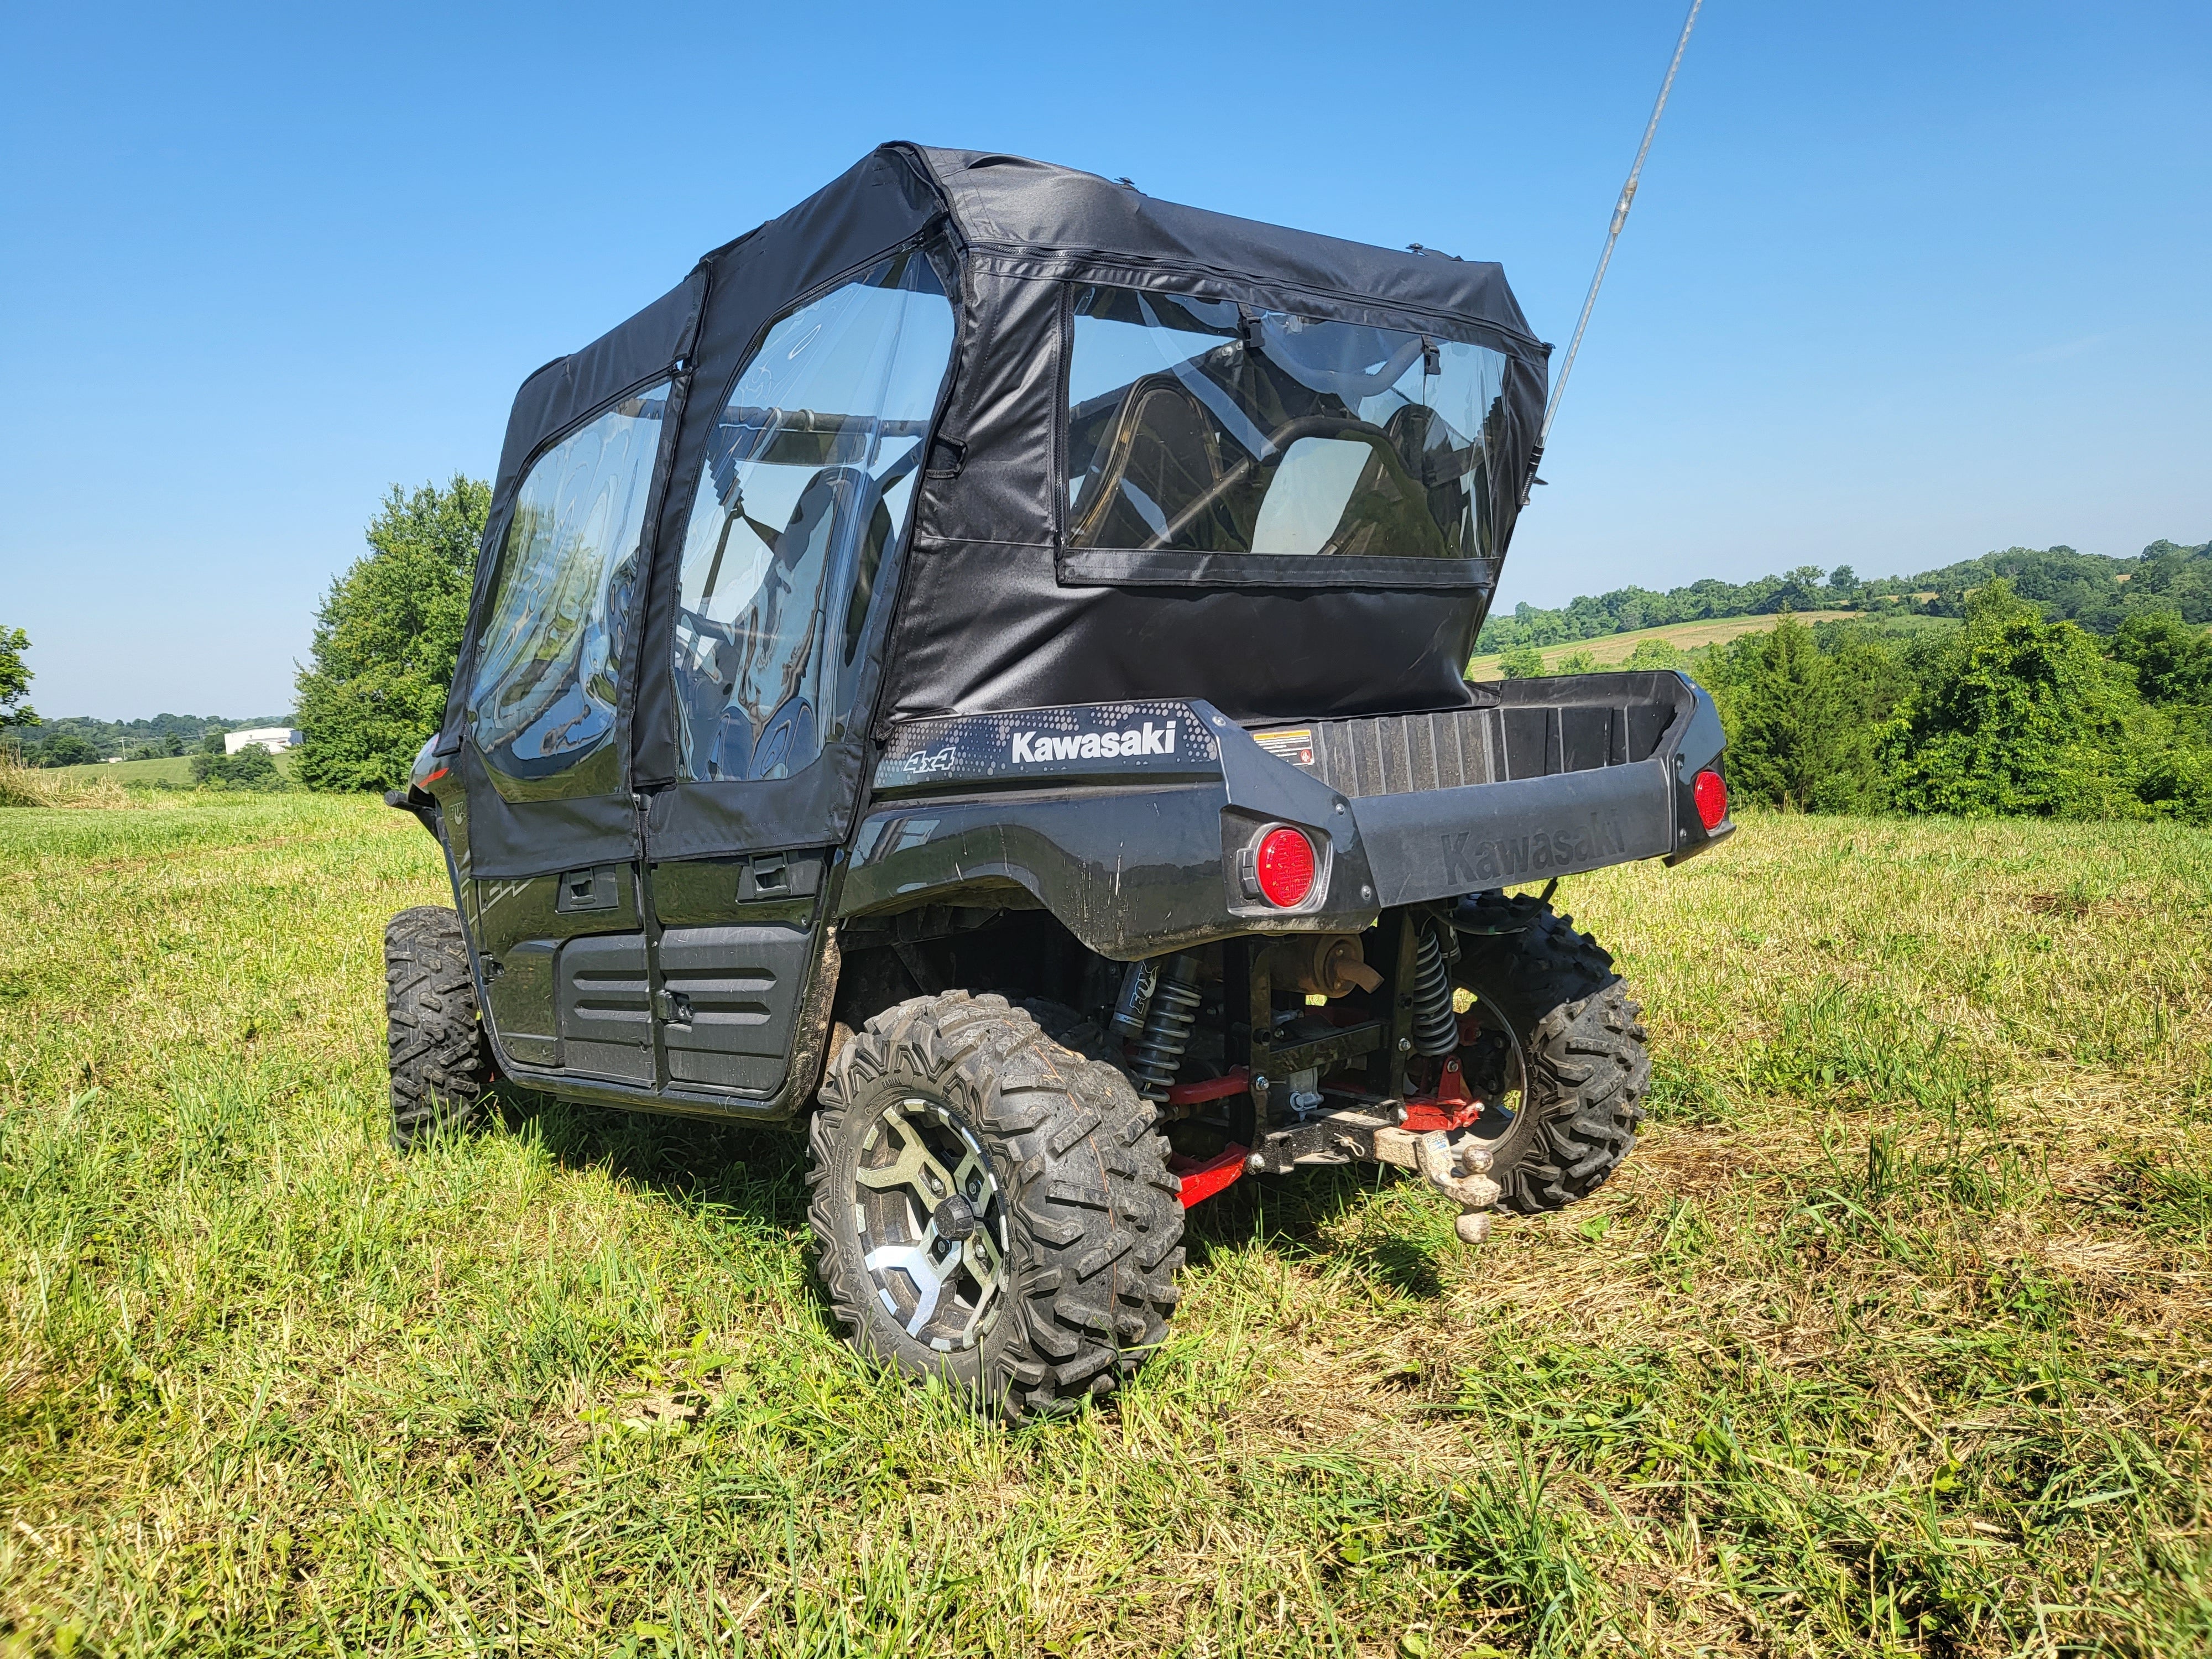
1712, 796
1285, 867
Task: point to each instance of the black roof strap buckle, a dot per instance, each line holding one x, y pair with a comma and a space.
940, 448
1433, 357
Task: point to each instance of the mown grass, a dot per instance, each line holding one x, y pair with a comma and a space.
1610, 650
1892, 1337
165, 772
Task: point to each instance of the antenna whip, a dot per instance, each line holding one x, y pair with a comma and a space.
1620, 218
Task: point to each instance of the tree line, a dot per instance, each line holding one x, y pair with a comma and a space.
2044, 682
2096, 590
2009, 711
80, 740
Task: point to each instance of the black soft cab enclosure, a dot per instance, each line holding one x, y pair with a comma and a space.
988, 581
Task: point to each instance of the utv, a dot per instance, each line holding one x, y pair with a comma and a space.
977, 670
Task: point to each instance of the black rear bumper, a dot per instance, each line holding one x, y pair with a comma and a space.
1586, 771
1495, 835
1126, 820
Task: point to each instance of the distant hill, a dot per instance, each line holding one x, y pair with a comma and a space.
1614, 649
164, 734
2094, 589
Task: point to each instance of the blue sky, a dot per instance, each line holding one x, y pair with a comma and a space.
1903, 283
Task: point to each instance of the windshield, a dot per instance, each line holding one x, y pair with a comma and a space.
1196, 425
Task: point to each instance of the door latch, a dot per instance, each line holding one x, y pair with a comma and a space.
595, 889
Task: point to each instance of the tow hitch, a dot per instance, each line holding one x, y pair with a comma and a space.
1453, 1162
1314, 1113
1462, 1175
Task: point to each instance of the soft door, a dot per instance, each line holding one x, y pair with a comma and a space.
809, 473
565, 946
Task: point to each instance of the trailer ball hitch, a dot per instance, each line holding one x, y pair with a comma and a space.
1463, 1177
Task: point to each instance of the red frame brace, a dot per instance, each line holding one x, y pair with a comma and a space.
1203, 1178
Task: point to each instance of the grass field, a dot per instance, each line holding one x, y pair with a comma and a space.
174, 770
1612, 649
1895, 1336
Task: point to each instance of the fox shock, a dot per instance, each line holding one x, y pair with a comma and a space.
1135, 1002
1156, 1055
1436, 1026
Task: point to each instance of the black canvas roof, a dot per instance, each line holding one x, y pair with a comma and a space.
1009, 205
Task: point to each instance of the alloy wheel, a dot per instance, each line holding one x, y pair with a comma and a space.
932, 1223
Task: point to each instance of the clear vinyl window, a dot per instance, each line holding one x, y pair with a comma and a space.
1200, 426
549, 659
807, 480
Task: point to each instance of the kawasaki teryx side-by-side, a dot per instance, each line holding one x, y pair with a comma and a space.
977, 672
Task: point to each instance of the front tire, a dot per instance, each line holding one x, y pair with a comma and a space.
991, 1207
440, 1057
1558, 1025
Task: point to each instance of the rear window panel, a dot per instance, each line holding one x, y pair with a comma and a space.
1200, 426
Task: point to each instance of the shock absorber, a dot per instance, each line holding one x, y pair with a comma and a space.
1135, 1002
1156, 1055
1436, 1026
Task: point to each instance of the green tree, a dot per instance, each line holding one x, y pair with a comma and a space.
2022, 716
1867, 680
1769, 689
2172, 661
67, 749
387, 638
2173, 773
1655, 654
251, 768
15, 678
1520, 662
1804, 718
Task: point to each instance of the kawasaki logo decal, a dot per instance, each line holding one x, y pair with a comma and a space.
1490, 863
1030, 748
1146, 739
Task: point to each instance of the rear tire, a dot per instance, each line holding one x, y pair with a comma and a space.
1583, 1053
440, 1057
1057, 1280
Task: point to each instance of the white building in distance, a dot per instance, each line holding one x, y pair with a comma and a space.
275, 738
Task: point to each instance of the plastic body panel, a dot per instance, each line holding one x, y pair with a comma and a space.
731, 994
1135, 853
1446, 842
565, 982
522, 1001
737, 940
1137, 856
605, 1007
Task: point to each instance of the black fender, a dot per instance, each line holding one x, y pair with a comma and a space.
1135, 851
